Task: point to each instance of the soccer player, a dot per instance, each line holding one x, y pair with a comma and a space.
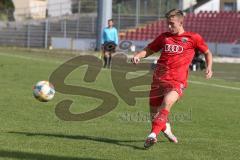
110, 36
170, 76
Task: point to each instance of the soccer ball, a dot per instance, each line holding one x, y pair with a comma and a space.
43, 91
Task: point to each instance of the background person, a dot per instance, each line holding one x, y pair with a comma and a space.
109, 38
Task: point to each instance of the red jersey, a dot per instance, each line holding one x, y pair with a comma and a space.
177, 52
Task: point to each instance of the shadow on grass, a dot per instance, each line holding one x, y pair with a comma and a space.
37, 156
126, 143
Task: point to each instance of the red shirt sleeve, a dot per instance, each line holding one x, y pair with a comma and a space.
200, 44
157, 44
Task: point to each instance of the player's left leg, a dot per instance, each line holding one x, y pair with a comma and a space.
167, 132
154, 110
160, 119
109, 59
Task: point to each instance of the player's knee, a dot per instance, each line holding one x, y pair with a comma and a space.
167, 103
154, 109
170, 99
155, 102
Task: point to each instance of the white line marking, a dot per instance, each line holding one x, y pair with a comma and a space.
214, 85
40, 59
193, 82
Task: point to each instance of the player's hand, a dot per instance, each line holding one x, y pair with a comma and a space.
135, 60
208, 73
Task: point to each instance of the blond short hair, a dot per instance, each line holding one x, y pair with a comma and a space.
173, 13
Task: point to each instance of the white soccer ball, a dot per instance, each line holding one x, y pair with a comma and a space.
43, 91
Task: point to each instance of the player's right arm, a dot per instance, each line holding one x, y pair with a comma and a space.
153, 47
103, 37
142, 54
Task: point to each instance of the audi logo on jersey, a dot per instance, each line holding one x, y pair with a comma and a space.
173, 48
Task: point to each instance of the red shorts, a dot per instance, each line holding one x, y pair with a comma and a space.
159, 89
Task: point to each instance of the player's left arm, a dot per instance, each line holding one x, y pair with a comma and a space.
202, 46
208, 58
116, 37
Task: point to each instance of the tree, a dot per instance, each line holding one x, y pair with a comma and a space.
7, 10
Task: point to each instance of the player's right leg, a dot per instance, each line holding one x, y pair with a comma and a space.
106, 57
154, 103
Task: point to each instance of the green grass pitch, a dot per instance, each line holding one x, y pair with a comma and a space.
206, 120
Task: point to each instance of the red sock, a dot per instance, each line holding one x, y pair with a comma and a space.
165, 127
159, 123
